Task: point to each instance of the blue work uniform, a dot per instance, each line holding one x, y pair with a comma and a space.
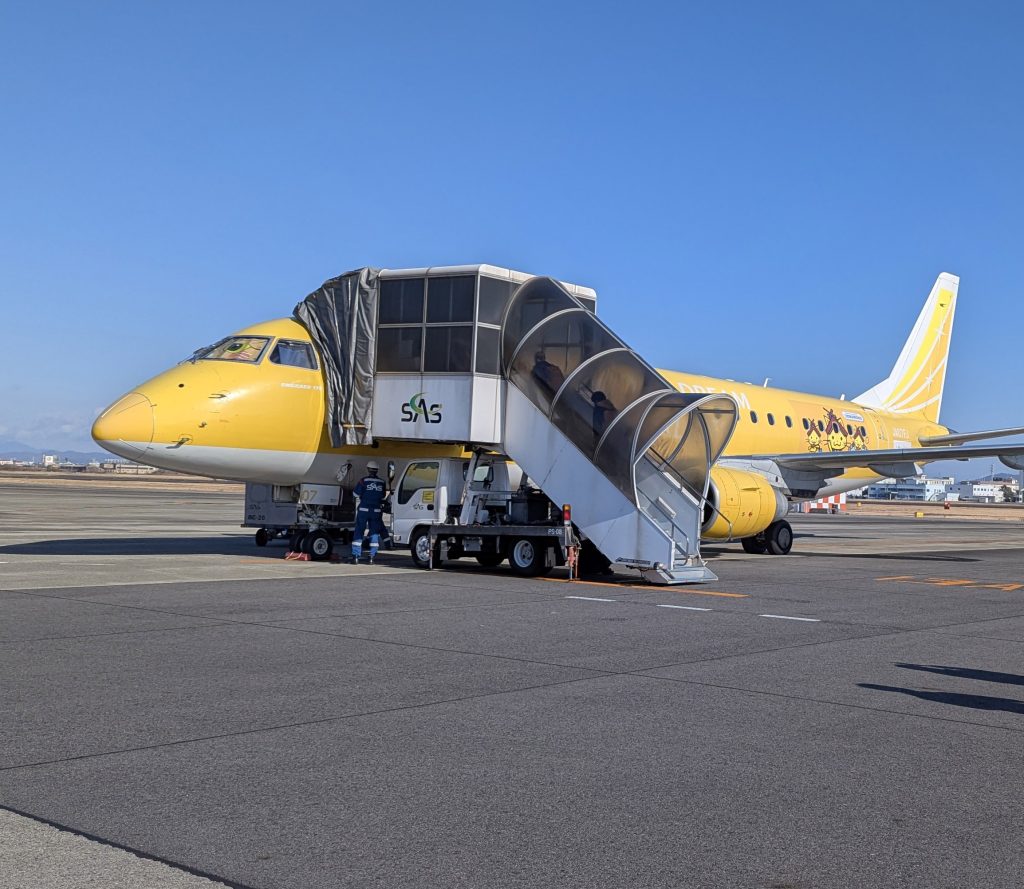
369, 516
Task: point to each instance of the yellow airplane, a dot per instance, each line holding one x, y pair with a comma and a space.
253, 408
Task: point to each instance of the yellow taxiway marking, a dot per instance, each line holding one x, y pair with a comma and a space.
953, 581
646, 587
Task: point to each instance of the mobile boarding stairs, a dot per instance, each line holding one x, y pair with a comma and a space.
494, 359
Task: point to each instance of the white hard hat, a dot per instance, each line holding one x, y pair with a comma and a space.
372, 466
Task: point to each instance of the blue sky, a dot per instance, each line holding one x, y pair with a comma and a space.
755, 190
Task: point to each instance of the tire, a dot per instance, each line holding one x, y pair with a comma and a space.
490, 560
419, 547
526, 556
319, 546
262, 537
756, 546
297, 541
779, 537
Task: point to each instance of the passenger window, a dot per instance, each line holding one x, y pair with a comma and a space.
449, 350
771, 419
821, 426
291, 354
789, 422
450, 299
417, 476
399, 348
494, 297
753, 416
807, 425
849, 429
401, 301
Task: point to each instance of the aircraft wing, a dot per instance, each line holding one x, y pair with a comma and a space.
895, 462
955, 438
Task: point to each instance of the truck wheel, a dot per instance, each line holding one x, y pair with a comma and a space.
262, 537
780, 538
526, 557
419, 546
318, 545
490, 560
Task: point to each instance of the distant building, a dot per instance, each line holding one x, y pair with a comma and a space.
51, 460
128, 468
917, 488
987, 491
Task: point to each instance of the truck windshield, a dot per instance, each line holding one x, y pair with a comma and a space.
248, 349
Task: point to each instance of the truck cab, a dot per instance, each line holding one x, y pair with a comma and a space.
481, 506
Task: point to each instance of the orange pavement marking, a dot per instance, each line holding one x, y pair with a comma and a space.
954, 581
646, 587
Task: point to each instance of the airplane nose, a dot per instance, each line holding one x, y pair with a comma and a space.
126, 427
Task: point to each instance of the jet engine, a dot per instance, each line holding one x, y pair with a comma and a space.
740, 504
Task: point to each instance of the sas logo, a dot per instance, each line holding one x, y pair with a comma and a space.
416, 408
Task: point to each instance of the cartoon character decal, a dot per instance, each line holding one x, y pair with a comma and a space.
834, 433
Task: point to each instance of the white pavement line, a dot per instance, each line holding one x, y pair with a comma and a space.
810, 620
683, 607
589, 598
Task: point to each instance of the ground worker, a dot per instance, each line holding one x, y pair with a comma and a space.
371, 491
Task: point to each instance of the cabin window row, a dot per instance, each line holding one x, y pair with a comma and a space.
771, 419
817, 424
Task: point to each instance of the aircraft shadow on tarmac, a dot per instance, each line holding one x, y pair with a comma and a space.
233, 545
967, 673
956, 699
975, 702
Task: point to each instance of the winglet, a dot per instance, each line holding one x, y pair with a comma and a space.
915, 384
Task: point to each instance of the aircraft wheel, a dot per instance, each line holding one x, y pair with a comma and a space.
319, 546
297, 541
779, 536
527, 558
490, 560
756, 546
419, 546
262, 537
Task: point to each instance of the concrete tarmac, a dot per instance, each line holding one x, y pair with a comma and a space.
174, 697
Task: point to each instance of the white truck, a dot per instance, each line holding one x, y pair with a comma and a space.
482, 507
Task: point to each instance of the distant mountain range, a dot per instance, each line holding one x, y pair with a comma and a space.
18, 450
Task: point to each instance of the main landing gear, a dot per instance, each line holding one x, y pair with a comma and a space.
775, 540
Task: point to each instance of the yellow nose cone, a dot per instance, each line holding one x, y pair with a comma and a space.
126, 427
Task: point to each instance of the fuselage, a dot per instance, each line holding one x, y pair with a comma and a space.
257, 414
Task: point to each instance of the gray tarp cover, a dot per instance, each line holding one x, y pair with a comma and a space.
341, 318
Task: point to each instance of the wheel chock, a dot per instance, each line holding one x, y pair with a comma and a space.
296, 557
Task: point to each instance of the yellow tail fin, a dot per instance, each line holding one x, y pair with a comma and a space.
915, 384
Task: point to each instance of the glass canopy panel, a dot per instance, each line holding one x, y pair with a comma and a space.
533, 301
592, 396
615, 454
534, 372
686, 445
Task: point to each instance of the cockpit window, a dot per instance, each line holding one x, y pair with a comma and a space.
237, 348
293, 354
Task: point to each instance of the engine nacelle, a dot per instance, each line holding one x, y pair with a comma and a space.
742, 504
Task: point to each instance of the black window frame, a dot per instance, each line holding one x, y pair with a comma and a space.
300, 343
